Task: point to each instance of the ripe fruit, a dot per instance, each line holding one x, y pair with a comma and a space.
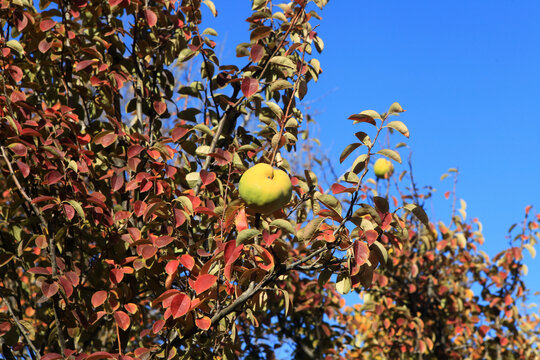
265, 189
383, 168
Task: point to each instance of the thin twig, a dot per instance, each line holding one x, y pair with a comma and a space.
34, 353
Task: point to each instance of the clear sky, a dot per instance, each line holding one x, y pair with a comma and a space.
468, 74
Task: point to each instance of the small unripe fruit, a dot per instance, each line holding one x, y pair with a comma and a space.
383, 168
265, 189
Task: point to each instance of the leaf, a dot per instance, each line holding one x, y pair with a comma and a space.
280, 84
330, 202
531, 250
391, 154
46, 24
257, 52
343, 283
307, 233
249, 87
245, 235
180, 305
381, 204
283, 61
160, 107
15, 45
116, 275
122, 319
358, 118
348, 150
211, 6
69, 211
361, 252
395, 109
203, 323
399, 126
78, 208
81, 65
418, 212
203, 283
187, 261
275, 108
381, 252
151, 17
284, 225
49, 289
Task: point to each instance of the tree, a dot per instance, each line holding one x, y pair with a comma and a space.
122, 233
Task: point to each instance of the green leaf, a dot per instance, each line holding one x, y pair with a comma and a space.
275, 107
418, 212
15, 45
364, 138
280, 84
210, 31
399, 126
348, 150
381, 252
308, 232
391, 154
381, 204
395, 109
330, 202
245, 235
531, 250
211, 6
343, 283
359, 164
284, 225
365, 209
78, 208
283, 61
324, 276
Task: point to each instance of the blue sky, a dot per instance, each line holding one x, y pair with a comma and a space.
468, 74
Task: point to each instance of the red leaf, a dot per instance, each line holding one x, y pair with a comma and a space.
151, 17
131, 308
122, 319
41, 242
49, 289
256, 53
84, 64
371, 236
232, 252
203, 323
18, 148
44, 45
22, 22
148, 251
139, 207
53, 177
363, 118
99, 298
249, 86
15, 72
66, 284
163, 241
46, 24
172, 266
134, 150
117, 181
100, 355
51, 356
180, 305
158, 325
160, 107
179, 133
265, 260
187, 261
40, 271
207, 177
116, 275
361, 252
203, 283
154, 154
69, 211
179, 217
241, 220
25, 169
107, 139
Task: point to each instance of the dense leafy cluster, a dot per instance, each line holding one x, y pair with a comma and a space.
122, 234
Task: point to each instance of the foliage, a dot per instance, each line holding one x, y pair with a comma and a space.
122, 233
